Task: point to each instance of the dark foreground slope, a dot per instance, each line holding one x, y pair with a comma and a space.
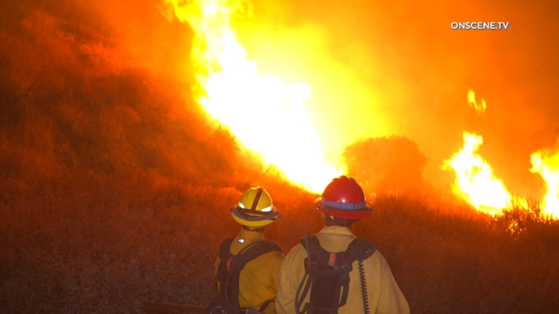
115, 189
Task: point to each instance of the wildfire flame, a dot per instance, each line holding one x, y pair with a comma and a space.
475, 182
479, 108
264, 113
546, 164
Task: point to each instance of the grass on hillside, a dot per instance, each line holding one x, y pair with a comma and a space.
105, 244
115, 189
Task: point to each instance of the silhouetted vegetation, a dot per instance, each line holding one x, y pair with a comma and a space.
115, 189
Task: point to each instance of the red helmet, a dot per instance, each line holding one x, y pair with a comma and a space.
344, 198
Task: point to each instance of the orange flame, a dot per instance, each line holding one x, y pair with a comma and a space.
475, 182
264, 113
546, 164
479, 108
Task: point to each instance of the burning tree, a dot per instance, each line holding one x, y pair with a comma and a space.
386, 164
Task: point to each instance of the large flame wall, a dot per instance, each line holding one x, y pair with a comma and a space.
378, 69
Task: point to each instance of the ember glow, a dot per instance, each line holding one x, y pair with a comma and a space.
265, 114
546, 164
475, 182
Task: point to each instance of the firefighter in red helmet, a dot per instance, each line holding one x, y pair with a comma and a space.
334, 271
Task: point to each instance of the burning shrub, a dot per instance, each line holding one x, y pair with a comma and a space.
392, 165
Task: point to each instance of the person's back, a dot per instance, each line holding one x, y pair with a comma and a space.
259, 278
372, 287
256, 285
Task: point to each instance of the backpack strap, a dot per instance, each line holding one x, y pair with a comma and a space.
230, 267
224, 257
321, 264
360, 250
251, 252
315, 252
326, 279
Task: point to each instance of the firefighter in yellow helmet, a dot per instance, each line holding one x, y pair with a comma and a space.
334, 271
248, 266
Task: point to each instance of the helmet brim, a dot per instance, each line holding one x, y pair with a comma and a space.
349, 214
254, 221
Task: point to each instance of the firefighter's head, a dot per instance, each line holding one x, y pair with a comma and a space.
343, 202
255, 209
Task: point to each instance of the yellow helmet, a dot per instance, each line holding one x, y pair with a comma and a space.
255, 209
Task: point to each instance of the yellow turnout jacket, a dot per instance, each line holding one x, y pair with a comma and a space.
384, 294
258, 280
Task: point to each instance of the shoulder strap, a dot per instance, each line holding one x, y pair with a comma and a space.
224, 256
246, 255
315, 253
229, 276
251, 252
360, 250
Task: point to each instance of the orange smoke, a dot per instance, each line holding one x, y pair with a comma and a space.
264, 113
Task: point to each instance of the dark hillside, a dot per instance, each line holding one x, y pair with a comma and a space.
106, 172
65, 107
